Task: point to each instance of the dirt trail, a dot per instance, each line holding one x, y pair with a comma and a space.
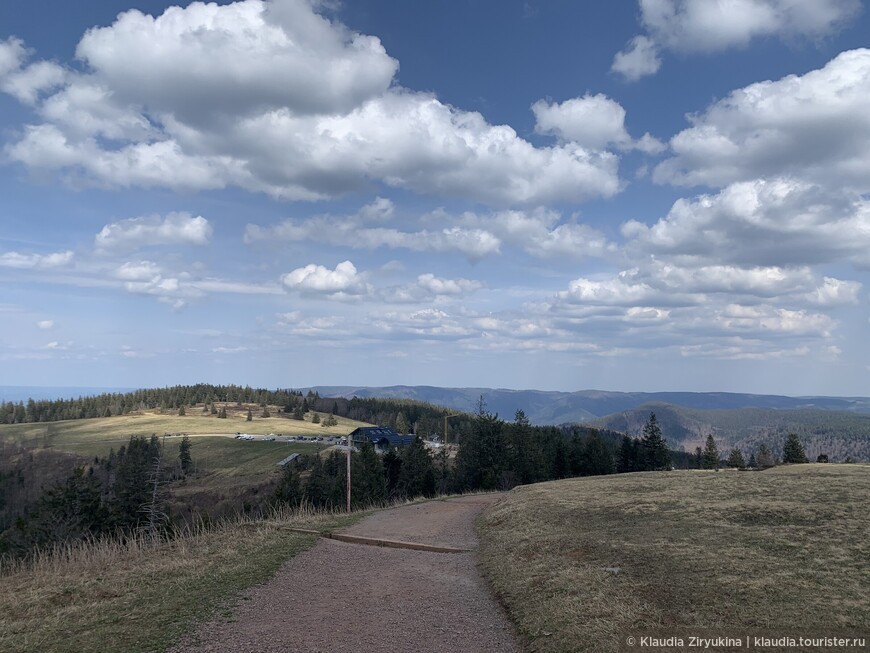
350, 597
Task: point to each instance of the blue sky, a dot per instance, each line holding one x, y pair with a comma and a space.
652, 195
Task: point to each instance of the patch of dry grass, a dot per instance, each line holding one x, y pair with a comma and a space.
133, 596
784, 551
114, 431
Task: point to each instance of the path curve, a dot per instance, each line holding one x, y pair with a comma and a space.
350, 597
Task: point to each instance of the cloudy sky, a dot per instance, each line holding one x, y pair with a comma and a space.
652, 195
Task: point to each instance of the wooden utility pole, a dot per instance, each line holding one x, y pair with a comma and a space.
349, 449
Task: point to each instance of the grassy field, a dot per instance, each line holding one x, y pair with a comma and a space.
228, 474
139, 597
113, 431
583, 564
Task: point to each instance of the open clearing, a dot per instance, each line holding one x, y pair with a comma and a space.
581, 564
223, 464
69, 435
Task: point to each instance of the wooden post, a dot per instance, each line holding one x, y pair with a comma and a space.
349, 449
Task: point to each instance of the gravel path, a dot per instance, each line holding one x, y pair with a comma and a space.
350, 597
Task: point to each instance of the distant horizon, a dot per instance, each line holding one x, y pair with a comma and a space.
77, 391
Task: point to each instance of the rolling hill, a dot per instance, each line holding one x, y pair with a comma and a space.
550, 407
836, 426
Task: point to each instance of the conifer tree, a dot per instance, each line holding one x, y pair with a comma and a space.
710, 458
793, 451
392, 464
735, 458
654, 447
368, 486
289, 489
417, 474
184, 458
250, 417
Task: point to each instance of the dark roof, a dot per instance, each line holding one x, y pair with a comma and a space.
382, 435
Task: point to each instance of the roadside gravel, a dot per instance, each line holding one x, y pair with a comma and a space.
350, 597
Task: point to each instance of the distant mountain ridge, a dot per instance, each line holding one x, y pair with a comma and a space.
553, 407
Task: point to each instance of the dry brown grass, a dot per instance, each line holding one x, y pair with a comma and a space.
784, 551
225, 468
114, 431
113, 596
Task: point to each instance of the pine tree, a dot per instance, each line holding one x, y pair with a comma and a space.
250, 417
417, 474
223, 413
793, 451
654, 446
316, 418
392, 464
710, 458
298, 413
368, 486
184, 458
735, 458
479, 462
181, 411
401, 424
266, 412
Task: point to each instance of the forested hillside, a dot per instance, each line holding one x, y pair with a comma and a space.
839, 435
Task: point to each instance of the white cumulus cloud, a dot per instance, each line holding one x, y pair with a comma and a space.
344, 279
273, 97
814, 126
712, 26
174, 229
639, 59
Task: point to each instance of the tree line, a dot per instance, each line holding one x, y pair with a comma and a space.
493, 455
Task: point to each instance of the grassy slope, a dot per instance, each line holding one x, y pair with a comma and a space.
118, 599
228, 472
781, 551
229, 465
114, 431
